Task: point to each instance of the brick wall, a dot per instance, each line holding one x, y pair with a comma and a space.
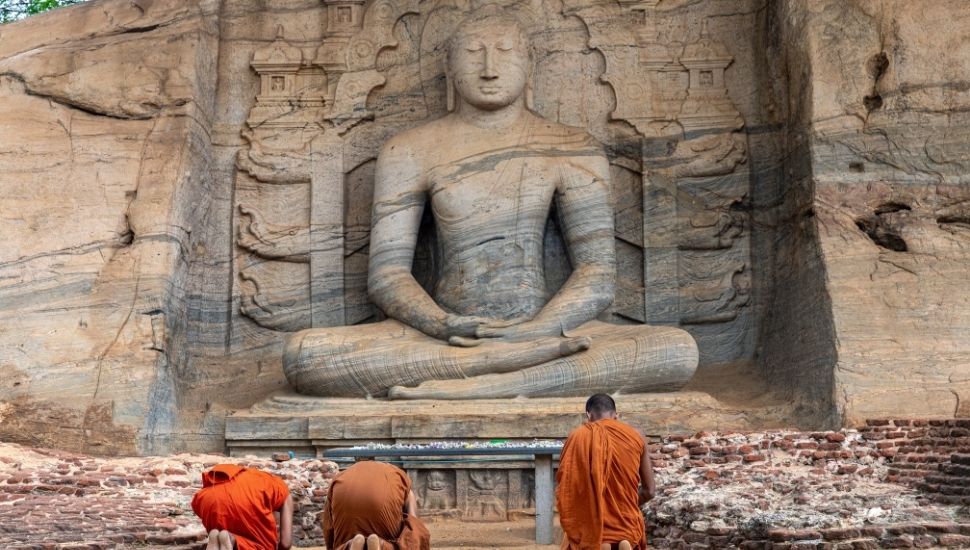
52, 500
917, 448
861, 488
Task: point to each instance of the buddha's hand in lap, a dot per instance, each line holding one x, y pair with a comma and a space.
462, 326
519, 331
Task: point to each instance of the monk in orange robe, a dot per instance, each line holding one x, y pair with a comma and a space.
244, 509
371, 504
604, 477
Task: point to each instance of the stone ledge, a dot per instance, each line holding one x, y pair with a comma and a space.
306, 425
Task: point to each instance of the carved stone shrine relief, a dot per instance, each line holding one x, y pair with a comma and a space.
683, 225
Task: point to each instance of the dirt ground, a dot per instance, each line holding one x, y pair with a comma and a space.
453, 533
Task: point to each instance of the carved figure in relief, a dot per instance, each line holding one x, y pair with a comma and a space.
490, 172
438, 492
486, 504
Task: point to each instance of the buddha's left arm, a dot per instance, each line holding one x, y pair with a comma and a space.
586, 221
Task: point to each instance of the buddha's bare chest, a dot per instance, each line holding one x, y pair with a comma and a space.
488, 191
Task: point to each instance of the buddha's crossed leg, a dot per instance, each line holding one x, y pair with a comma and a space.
622, 358
367, 360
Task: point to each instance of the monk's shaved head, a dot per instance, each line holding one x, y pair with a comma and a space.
600, 406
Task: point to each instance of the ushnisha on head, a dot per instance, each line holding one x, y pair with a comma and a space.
489, 60
600, 406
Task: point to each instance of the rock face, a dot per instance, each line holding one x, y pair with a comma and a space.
105, 118
874, 214
186, 183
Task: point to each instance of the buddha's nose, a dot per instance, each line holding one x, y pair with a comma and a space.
488, 69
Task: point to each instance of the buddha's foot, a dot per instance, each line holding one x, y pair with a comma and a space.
497, 364
624, 358
495, 356
486, 386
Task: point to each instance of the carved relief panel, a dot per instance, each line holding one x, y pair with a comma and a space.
658, 101
474, 494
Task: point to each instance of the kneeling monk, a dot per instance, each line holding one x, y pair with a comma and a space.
371, 504
604, 477
244, 509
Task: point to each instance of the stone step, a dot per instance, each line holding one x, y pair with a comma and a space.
948, 480
960, 458
961, 470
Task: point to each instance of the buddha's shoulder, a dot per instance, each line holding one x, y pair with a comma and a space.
563, 134
429, 133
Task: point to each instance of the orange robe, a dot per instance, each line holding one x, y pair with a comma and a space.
598, 481
369, 499
241, 501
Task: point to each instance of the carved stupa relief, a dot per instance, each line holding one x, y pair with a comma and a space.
293, 136
683, 249
695, 226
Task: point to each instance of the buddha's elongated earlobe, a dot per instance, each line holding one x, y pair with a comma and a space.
529, 101
530, 81
449, 92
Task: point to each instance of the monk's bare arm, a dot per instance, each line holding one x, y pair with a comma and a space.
586, 220
648, 486
399, 200
286, 524
411, 505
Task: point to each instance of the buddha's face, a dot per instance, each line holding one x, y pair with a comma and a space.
489, 63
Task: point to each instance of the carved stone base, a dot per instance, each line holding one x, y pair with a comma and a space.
308, 425
472, 488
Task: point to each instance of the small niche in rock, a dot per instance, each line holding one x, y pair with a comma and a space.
857, 167
877, 65
892, 206
872, 102
955, 219
881, 234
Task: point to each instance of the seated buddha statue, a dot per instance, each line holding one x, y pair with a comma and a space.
490, 171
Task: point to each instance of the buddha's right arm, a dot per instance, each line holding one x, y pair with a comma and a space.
399, 199
401, 297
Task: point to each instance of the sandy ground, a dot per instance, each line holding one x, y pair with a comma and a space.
452, 533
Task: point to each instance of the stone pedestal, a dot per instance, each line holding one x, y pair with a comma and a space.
472, 488
308, 425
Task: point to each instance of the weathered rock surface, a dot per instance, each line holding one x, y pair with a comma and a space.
874, 228
186, 183
104, 118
